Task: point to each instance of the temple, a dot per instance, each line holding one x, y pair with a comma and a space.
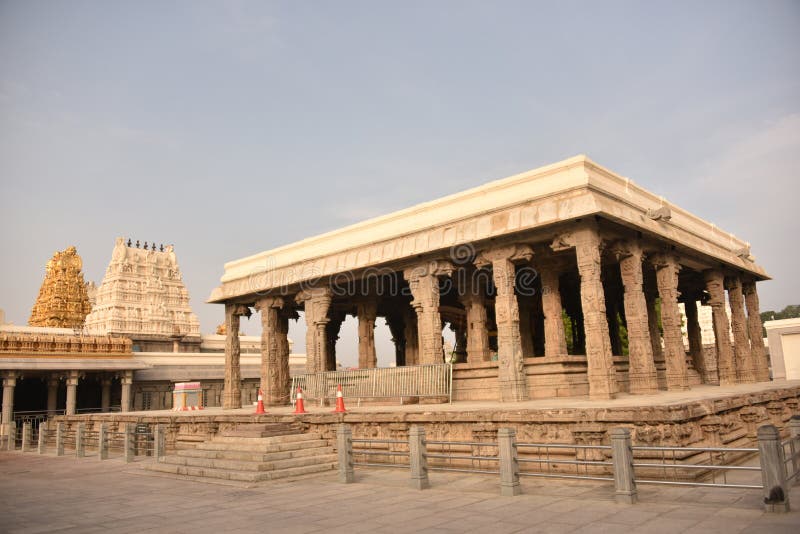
566, 280
63, 300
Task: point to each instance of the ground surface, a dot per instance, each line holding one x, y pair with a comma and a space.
65, 494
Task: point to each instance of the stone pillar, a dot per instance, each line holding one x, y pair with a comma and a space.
622, 457
72, 392
641, 367
525, 330
695, 335
601, 372
332, 330
275, 382
367, 311
316, 302
652, 326
52, 394
511, 368
232, 388
667, 268
555, 341
743, 357
423, 280
460, 331
396, 326
418, 458
127, 381
716, 291
105, 393
754, 327
9, 383
412, 338
509, 463
477, 332
344, 449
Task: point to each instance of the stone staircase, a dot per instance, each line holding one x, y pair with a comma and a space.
252, 453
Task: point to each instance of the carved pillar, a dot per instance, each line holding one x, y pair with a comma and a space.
600, 365
511, 368
105, 393
525, 330
52, 394
412, 338
743, 357
760, 359
695, 335
125, 400
367, 311
397, 329
652, 327
716, 291
72, 392
273, 380
612, 312
423, 281
284, 378
9, 383
232, 389
667, 268
332, 330
555, 341
641, 367
316, 301
477, 331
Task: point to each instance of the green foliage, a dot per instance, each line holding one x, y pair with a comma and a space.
623, 334
789, 312
567, 331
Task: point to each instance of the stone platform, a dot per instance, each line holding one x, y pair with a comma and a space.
702, 416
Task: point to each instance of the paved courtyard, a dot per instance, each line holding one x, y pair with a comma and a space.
65, 494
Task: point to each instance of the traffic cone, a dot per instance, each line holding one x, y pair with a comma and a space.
339, 401
299, 407
260, 405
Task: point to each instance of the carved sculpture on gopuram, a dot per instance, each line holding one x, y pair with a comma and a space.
142, 293
63, 301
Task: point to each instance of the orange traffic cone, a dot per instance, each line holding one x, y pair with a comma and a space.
260, 405
299, 407
339, 401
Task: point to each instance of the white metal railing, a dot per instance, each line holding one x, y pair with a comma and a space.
385, 382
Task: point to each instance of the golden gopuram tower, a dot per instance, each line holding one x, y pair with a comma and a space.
63, 301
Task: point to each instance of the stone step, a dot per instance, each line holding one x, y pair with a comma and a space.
242, 440
318, 448
260, 448
245, 476
263, 430
241, 465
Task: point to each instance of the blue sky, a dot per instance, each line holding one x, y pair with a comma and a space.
228, 128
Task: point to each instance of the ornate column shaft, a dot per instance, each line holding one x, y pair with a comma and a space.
511, 367
396, 326
232, 388
9, 383
72, 392
105, 393
273, 380
127, 381
412, 338
332, 330
525, 330
755, 329
555, 341
317, 302
743, 357
652, 327
52, 394
423, 281
641, 365
477, 332
707, 369
667, 268
716, 290
366, 311
600, 364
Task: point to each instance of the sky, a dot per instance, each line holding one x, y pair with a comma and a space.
229, 128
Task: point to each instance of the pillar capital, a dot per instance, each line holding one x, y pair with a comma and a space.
237, 310
715, 286
515, 253
10, 378
269, 302
428, 268
622, 249
126, 377
72, 378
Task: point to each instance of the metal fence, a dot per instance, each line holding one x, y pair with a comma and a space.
385, 382
717, 467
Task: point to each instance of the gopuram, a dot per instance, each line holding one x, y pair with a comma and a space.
63, 300
558, 282
143, 297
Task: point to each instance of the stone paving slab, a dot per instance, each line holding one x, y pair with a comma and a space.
65, 494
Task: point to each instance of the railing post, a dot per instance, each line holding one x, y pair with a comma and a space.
26, 436
79, 434
622, 458
12, 436
60, 439
42, 437
418, 458
344, 445
102, 442
773, 470
509, 465
158, 443
794, 433
128, 443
